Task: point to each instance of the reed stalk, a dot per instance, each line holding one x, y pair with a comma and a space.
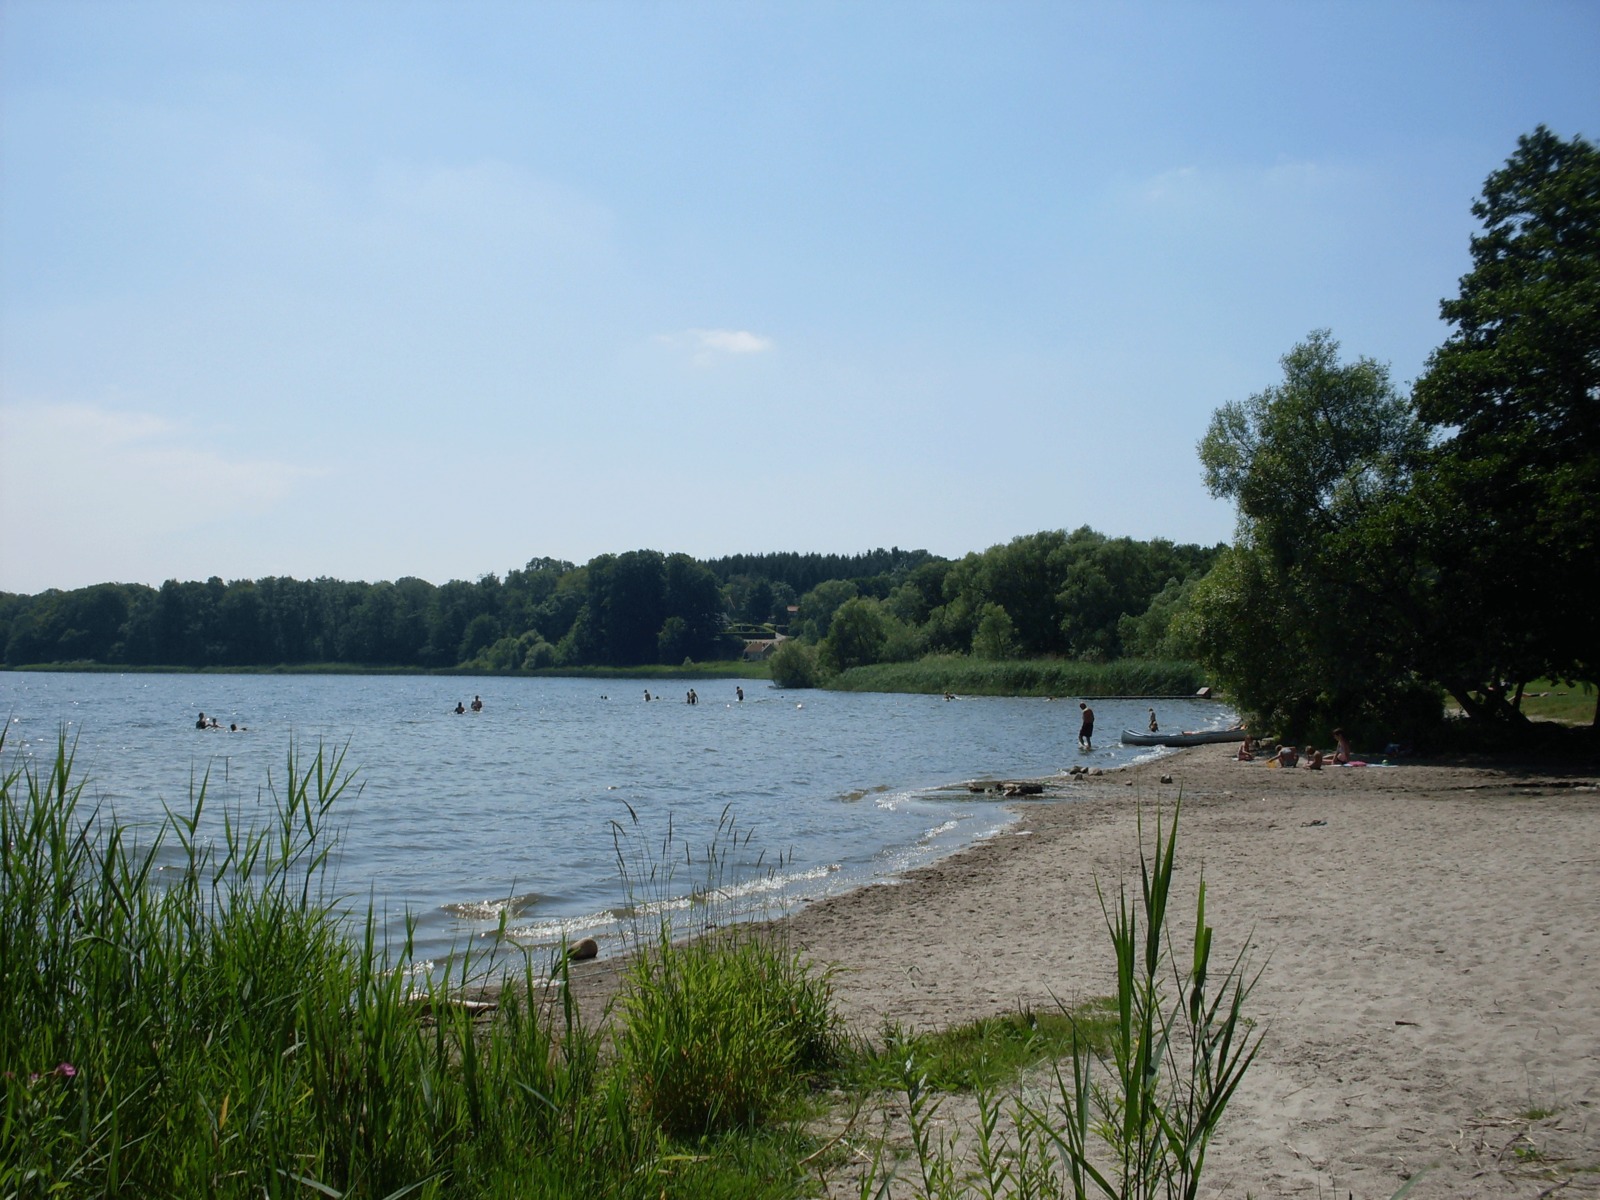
1132, 1110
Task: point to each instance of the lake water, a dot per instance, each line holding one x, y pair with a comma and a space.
514, 812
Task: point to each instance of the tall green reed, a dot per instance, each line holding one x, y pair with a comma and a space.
1176, 1051
213, 1028
190, 1010
1177, 1056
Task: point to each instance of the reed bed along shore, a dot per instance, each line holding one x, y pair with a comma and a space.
1024, 677
186, 1017
194, 1016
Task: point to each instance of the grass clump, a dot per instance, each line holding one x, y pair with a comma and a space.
1131, 1114
718, 1024
983, 1054
715, 1034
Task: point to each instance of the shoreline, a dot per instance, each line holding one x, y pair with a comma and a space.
1428, 936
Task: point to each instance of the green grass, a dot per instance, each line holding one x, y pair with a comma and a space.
218, 1028
1169, 1058
1546, 700
984, 1054
189, 1011
1025, 677
716, 1034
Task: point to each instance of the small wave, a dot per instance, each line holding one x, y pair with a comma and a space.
492, 910
765, 885
558, 929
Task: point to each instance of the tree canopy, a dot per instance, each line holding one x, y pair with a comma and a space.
1306, 615
1391, 546
1514, 396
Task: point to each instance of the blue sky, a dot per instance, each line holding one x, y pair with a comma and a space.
379, 289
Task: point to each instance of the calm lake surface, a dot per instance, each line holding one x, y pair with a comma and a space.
514, 813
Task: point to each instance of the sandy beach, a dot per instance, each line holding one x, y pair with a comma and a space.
1429, 938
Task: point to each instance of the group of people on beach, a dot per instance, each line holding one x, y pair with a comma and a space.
1289, 756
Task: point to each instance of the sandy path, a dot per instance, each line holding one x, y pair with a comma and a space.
1430, 938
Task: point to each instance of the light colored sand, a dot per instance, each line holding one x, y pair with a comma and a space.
1430, 937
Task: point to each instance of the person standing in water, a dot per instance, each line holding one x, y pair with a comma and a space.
1086, 730
1154, 728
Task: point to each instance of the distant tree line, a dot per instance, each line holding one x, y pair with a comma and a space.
1077, 594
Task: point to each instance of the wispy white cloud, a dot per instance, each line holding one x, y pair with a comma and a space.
144, 460
1188, 188
707, 346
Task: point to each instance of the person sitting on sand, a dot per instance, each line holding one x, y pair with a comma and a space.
1288, 756
1244, 753
1343, 754
1313, 759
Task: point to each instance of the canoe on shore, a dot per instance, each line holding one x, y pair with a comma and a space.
1200, 738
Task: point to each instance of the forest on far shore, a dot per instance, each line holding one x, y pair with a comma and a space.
1080, 595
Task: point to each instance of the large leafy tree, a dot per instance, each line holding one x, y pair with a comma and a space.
1513, 500
694, 605
1311, 616
627, 601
